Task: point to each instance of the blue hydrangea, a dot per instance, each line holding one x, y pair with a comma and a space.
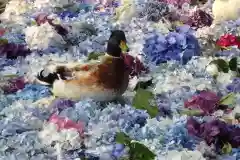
118, 150
177, 137
31, 92
234, 86
228, 53
180, 45
68, 14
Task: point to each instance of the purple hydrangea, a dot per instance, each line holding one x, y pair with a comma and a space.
215, 132
13, 85
205, 101
60, 104
12, 50
200, 19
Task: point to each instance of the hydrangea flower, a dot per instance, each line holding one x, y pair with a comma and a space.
155, 10
65, 123
177, 3
44, 36
31, 92
164, 106
215, 132
13, 85
43, 18
205, 101
177, 136
12, 50
199, 19
234, 86
118, 150
68, 14
134, 64
229, 52
60, 104
179, 46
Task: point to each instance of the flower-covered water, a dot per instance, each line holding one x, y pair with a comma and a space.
183, 97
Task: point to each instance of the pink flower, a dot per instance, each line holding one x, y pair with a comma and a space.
65, 123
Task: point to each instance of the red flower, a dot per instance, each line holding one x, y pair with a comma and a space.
2, 31
228, 40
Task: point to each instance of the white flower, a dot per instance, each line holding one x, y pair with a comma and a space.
14, 11
41, 37
224, 78
67, 138
212, 69
17, 7
190, 155
125, 12
163, 27
133, 83
231, 7
52, 3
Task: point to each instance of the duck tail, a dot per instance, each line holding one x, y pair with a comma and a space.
47, 79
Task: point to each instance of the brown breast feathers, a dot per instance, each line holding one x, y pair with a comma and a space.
111, 73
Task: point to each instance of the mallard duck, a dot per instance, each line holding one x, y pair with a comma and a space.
102, 80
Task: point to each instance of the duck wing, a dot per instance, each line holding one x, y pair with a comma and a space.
65, 72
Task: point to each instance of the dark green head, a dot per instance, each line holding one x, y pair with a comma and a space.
117, 41
119, 34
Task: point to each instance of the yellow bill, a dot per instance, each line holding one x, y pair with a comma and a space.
124, 47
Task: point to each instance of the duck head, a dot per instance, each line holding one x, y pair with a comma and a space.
119, 36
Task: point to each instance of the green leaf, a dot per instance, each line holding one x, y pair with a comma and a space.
227, 148
10, 76
3, 41
191, 112
222, 65
94, 56
237, 116
142, 100
228, 99
123, 138
137, 150
141, 151
233, 64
